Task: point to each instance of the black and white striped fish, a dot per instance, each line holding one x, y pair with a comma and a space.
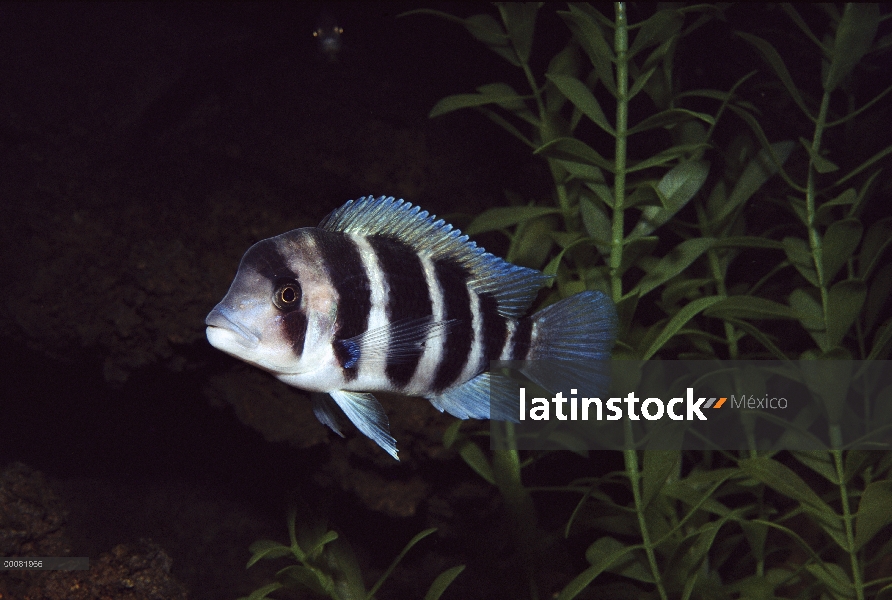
384, 297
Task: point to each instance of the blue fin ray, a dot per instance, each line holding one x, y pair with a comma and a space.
369, 417
325, 410
479, 398
573, 340
395, 343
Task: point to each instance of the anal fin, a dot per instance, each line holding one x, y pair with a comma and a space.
480, 398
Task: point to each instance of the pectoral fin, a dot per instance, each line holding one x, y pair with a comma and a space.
395, 343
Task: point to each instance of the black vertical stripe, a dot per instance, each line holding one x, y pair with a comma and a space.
408, 298
267, 260
264, 258
494, 330
522, 336
346, 271
453, 280
294, 328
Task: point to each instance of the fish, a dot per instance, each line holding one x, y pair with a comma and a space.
384, 297
328, 33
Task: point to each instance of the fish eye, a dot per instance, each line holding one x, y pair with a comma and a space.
287, 294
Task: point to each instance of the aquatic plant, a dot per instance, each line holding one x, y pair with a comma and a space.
705, 244
327, 567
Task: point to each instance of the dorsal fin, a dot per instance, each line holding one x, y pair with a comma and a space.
513, 287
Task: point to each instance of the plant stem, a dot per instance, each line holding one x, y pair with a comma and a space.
620, 47
506, 470
633, 472
847, 517
814, 238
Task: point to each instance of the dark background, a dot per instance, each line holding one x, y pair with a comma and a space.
143, 148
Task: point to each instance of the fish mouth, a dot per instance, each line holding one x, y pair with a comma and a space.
223, 329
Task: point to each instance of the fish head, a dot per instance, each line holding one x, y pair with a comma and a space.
278, 313
328, 35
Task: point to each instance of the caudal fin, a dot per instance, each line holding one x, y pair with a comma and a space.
571, 342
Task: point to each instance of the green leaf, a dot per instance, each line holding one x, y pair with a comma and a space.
774, 60
840, 241
641, 81
520, 22
495, 219
552, 267
266, 549
494, 93
829, 380
633, 250
866, 164
583, 99
674, 262
821, 164
747, 241
807, 309
661, 26
532, 242
346, 578
473, 455
847, 198
265, 591
451, 433
565, 62
881, 340
659, 466
397, 560
675, 190
756, 534
819, 461
588, 33
855, 463
571, 149
791, 12
489, 31
644, 194
853, 39
310, 578
760, 336
669, 117
679, 152
765, 164
784, 480
877, 297
681, 183
810, 313
749, 307
590, 174
834, 578
326, 538
873, 511
876, 242
443, 581
844, 304
499, 120
614, 556
678, 321
799, 255
595, 220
